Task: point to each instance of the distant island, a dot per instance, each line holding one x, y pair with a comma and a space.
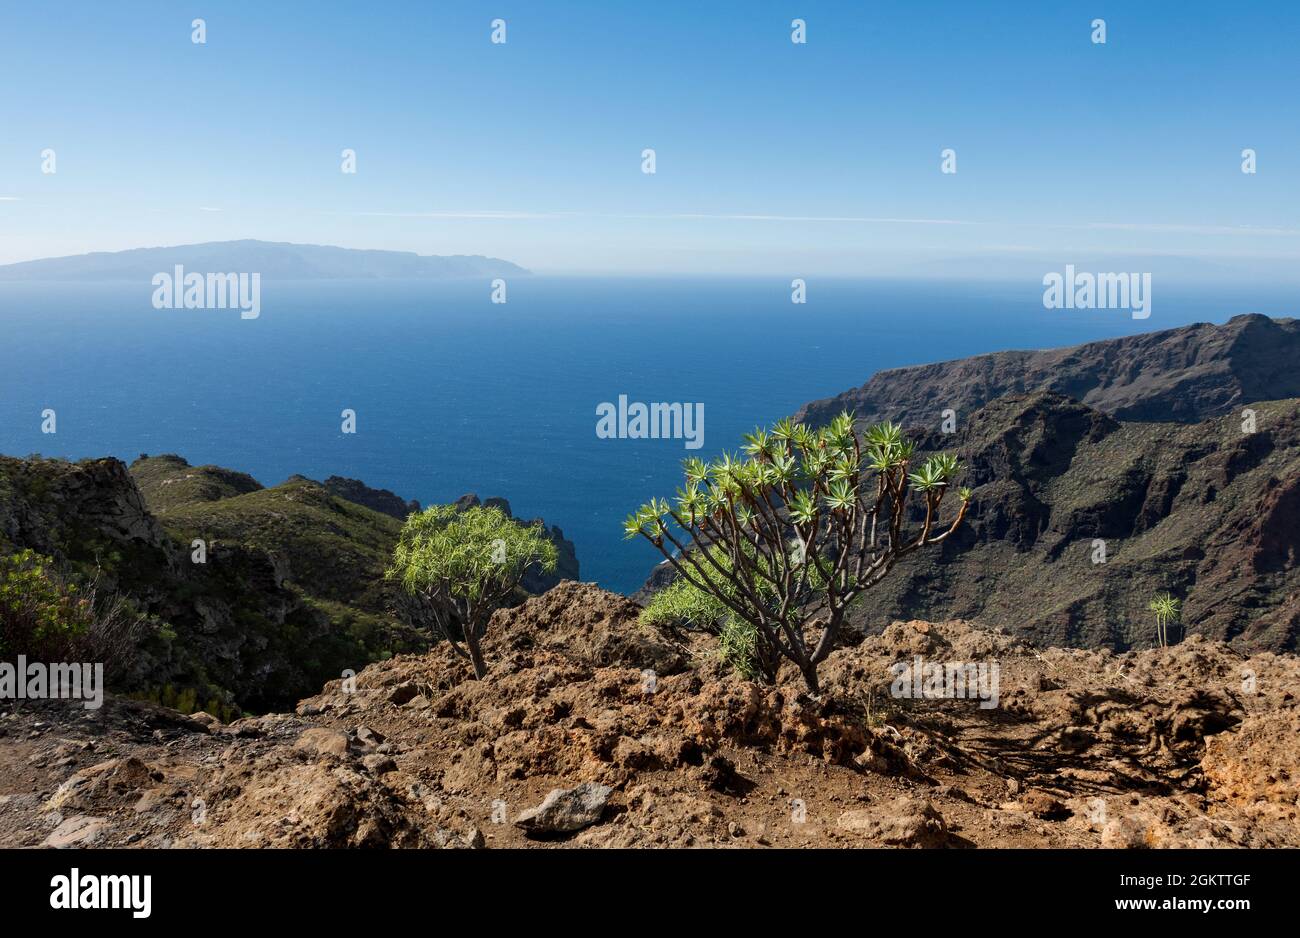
272, 259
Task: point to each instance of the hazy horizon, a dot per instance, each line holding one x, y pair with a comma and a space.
1174, 272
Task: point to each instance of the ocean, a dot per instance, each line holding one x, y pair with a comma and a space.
455, 394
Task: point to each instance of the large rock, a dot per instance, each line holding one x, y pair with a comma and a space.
99, 785
320, 741
381, 500
566, 810
316, 804
78, 831
907, 822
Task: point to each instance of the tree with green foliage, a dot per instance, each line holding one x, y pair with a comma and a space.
1167, 609
460, 566
788, 536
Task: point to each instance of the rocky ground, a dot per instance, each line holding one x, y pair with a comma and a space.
595, 731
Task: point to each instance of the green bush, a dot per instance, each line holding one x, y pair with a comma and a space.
51, 613
40, 615
681, 604
458, 567
185, 700
738, 645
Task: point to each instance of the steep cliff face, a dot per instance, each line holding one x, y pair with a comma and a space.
1182, 375
1079, 519
77, 509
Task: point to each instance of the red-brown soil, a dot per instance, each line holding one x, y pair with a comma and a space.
1194, 745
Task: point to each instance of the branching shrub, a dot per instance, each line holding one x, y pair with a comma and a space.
458, 567
789, 536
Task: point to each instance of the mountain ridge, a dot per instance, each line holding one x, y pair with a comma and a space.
272, 259
1184, 374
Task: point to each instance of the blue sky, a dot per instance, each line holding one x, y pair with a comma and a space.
815, 159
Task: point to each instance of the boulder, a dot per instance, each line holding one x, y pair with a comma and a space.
321, 741
907, 822
78, 831
566, 810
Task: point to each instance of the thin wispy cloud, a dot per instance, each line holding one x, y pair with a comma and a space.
503, 216
1157, 228
832, 219
671, 216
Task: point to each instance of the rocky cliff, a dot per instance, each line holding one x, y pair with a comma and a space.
224, 631
1079, 519
381, 500
1182, 375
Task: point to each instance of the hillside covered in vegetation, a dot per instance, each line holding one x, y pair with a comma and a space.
235, 596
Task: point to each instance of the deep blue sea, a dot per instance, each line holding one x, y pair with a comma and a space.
454, 394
